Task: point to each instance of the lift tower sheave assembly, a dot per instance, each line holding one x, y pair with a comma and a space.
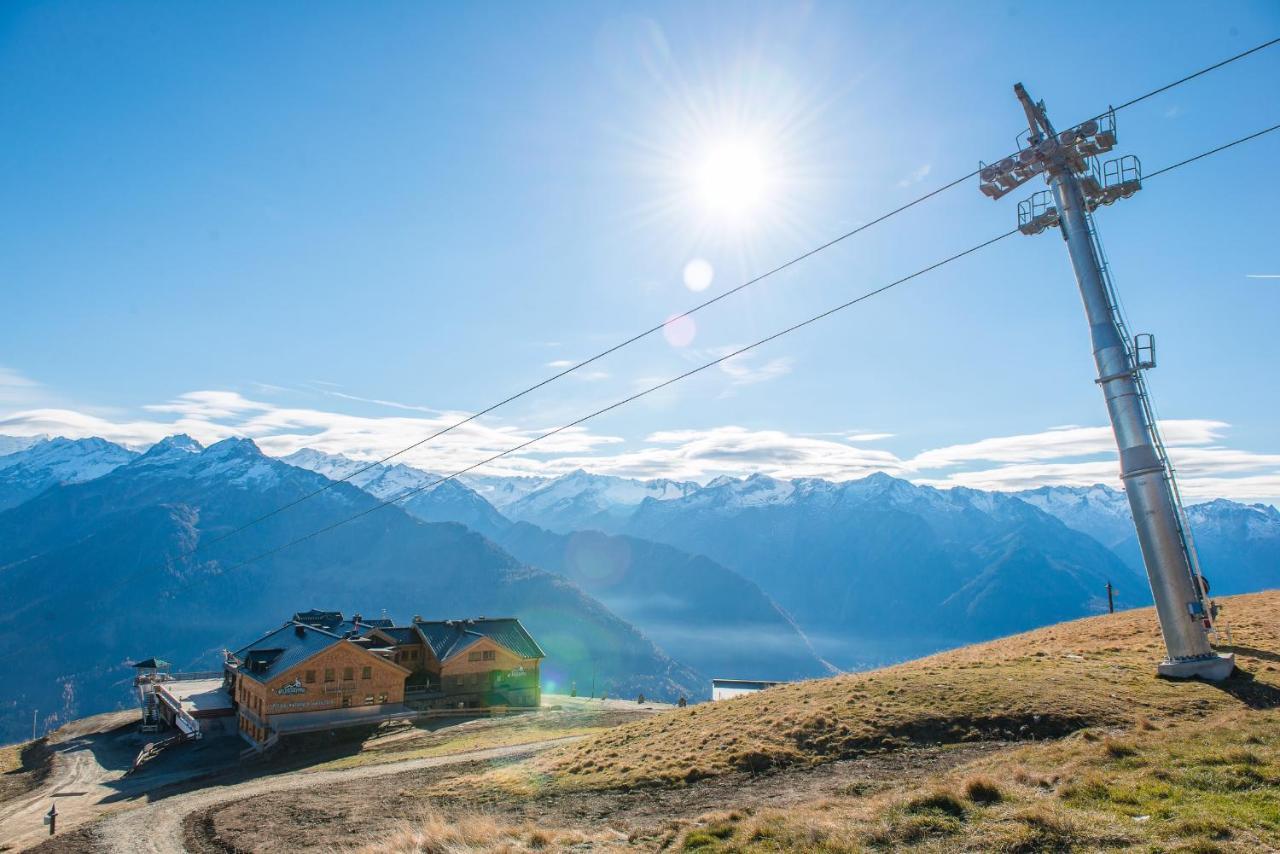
1077, 187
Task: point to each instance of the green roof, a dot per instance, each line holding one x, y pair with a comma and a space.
449, 637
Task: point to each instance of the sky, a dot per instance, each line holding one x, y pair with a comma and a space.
347, 225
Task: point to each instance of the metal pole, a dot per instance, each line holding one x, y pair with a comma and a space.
1179, 603
1111, 599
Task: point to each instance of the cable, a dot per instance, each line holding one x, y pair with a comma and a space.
624, 401
1214, 67
653, 329
1211, 151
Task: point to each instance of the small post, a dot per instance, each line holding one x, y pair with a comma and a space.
1111, 600
33, 724
51, 819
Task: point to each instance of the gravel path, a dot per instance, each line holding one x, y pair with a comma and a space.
157, 827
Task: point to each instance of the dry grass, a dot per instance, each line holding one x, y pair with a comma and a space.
22, 767
1098, 755
437, 833
1092, 673
1211, 786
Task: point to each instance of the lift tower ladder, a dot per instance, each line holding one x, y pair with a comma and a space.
1077, 187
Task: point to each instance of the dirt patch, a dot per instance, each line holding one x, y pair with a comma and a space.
347, 815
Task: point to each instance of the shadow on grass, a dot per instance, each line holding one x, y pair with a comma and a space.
1249, 651
1244, 687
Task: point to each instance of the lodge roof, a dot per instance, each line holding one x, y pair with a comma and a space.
447, 638
151, 663
277, 651
400, 634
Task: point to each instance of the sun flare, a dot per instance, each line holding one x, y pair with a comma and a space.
733, 179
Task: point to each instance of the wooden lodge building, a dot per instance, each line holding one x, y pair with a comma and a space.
322, 671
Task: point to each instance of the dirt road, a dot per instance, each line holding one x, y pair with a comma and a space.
77, 783
157, 827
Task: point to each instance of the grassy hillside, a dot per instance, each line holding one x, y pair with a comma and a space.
1096, 752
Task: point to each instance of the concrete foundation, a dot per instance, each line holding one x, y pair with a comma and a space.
1213, 668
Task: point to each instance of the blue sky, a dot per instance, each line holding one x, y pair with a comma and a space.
266, 218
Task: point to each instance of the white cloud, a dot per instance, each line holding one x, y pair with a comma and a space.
916, 175
561, 364
743, 370
15, 388
1068, 455
1060, 443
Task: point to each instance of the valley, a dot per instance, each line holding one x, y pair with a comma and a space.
1058, 739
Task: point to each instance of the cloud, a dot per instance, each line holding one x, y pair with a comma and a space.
16, 388
743, 370
561, 364
917, 175
1059, 443
1069, 455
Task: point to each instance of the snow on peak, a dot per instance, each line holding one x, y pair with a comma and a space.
14, 444
171, 449
62, 460
378, 479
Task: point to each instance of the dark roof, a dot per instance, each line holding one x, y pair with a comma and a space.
449, 637
274, 653
401, 634
328, 620
153, 663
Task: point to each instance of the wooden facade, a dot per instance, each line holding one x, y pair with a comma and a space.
319, 671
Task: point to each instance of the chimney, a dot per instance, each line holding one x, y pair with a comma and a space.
417, 618
300, 630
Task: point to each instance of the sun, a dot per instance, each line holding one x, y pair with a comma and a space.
733, 179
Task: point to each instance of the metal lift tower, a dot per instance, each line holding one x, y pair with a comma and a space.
1077, 186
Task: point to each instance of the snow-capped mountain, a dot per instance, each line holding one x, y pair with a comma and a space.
428, 497
580, 501
1238, 544
145, 544
13, 444
861, 562
501, 491
50, 462
380, 480
1098, 510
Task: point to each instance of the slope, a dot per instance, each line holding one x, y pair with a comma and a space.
698, 611
96, 574
1094, 672
879, 569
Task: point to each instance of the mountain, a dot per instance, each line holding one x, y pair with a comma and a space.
502, 491
1238, 544
700, 612
878, 569
579, 501
47, 462
13, 444
438, 501
1098, 510
99, 573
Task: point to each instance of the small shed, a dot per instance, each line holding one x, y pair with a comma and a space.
727, 689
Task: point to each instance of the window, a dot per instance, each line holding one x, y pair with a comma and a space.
328, 674
490, 655
348, 673
382, 698
473, 656
368, 699
311, 677
366, 673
